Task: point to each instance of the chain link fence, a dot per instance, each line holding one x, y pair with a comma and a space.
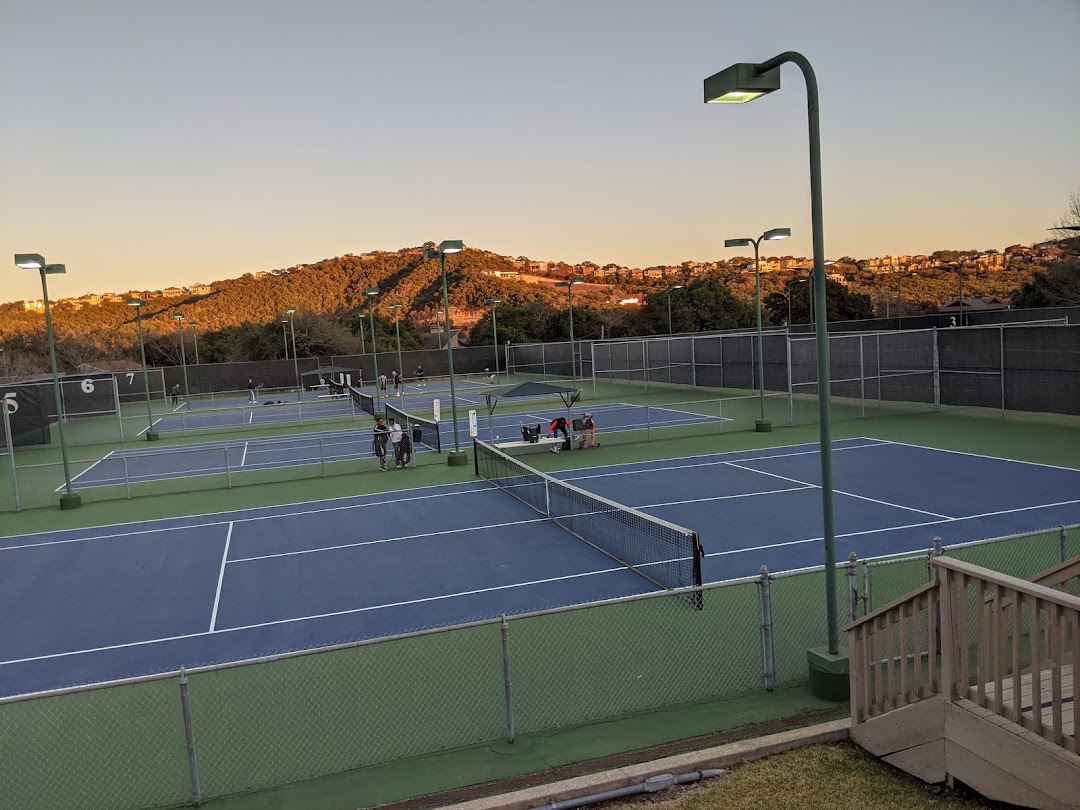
217, 731
1015, 366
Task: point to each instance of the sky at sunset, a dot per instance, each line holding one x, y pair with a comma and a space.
146, 143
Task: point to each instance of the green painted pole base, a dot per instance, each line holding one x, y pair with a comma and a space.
71, 500
457, 458
829, 674
153, 436
763, 426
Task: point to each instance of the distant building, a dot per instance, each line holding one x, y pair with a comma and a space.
258, 275
34, 306
500, 273
200, 289
974, 305
172, 292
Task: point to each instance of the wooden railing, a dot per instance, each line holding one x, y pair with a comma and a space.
1012, 647
1009, 645
894, 654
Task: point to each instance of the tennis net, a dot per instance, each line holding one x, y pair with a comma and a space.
665, 554
429, 429
362, 401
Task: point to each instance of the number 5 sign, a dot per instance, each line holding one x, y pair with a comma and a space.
10, 404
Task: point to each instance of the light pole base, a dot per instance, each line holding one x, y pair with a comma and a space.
153, 436
70, 500
457, 458
763, 426
829, 674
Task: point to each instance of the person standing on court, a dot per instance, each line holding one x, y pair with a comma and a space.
420, 377
395, 441
378, 446
396, 379
251, 389
588, 429
176, 394
382, 385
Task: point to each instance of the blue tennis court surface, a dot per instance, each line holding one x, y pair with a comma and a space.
98, 604
145, 464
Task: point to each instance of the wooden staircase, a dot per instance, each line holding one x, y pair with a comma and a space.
971, 678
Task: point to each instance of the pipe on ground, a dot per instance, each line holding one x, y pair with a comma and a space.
651, 785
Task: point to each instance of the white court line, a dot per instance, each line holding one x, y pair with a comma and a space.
333, 614
343, 507
842, 492
84, 472
251, 416
178, 407
724, 497
703, 463
389, 540
243, 458
148, 427
980, 455
220, 579
946, 520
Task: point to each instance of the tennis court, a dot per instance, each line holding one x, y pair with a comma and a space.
145, 464
110, 602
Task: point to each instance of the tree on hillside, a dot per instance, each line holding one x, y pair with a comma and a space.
527, 324
1059, 284
703, 305
843, 304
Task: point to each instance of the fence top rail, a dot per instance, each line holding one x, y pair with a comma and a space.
1012, 583
970, 543
895, 603
1060, 573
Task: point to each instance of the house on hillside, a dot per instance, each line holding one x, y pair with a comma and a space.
172, 292
200, 289
34, 306
973, 305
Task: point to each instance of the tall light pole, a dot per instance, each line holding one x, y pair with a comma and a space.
195, 336
669, 289
291, 311
396, 306
762, 425
285, 334
183, 352
960, 273
371, 292
151, 434
570, 306
35, 261
494, 331
745, 82
457, 457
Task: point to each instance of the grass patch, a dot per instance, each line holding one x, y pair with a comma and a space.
829, 777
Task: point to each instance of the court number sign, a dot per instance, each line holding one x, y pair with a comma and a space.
87, 386
11, 404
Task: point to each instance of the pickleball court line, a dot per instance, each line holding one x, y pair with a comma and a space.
361, 543
221, 577
314, 616
982, 455
655, 469
75, 477
485, 488
842, 492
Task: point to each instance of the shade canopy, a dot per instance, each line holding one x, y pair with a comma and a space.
568, 394
329, 370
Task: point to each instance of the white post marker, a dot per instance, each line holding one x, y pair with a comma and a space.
437, 405
472, 424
